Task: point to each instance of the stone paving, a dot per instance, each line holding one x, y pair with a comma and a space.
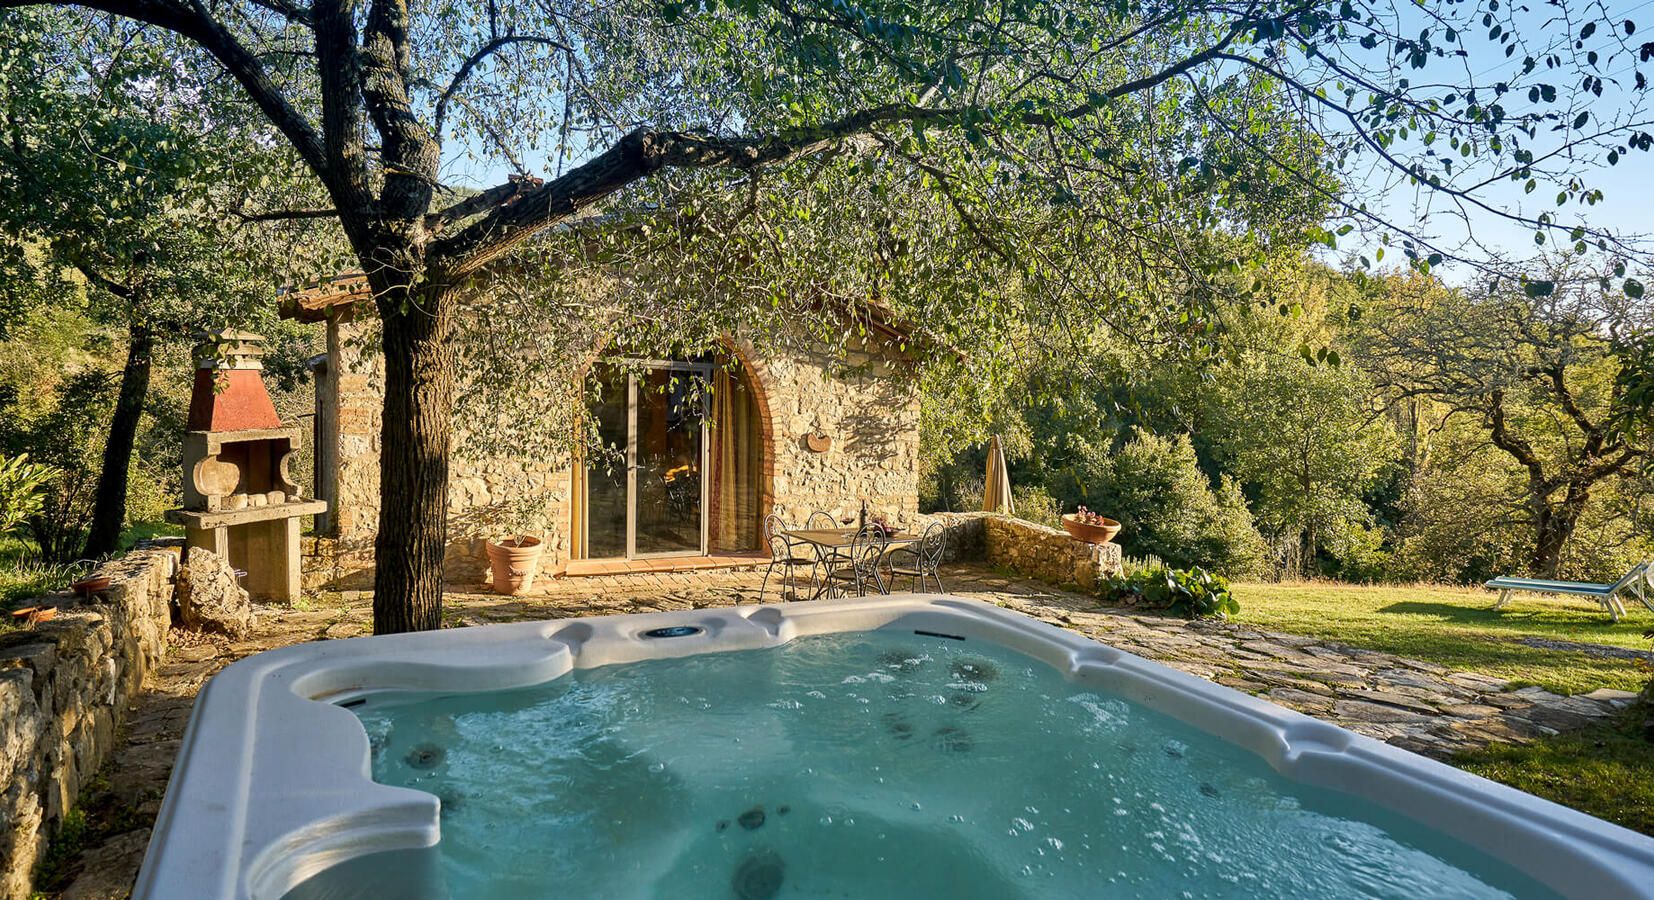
1415, 705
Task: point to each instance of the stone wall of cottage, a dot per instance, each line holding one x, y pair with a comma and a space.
859, 402
64, 685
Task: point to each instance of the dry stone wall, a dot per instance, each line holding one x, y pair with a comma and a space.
64, 685
1028, 548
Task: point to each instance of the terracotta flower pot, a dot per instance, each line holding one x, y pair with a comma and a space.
86, 587
1091, 534
29, 615
514, 566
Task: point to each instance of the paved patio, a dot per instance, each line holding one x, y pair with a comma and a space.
1416, 705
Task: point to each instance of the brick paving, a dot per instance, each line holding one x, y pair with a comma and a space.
1412, 704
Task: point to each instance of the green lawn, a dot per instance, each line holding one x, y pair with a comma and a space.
1455, 627
1606, 770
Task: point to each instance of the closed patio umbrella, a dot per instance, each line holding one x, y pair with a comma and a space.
996, 491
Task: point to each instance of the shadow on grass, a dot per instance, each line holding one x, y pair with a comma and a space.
1508, 618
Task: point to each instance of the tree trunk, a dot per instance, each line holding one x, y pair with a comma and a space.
1554, 527
109, 509
413, 459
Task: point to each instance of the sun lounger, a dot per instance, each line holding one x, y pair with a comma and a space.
1635, 583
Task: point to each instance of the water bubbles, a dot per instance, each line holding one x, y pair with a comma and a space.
817, 695
956, 818
657, 767
1021, 824
425, 756
974, 670
1054, 843
964, 700
915, 805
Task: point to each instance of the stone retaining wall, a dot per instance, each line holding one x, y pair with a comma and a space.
64, 685
1037, 551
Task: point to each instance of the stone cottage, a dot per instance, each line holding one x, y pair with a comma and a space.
681, 474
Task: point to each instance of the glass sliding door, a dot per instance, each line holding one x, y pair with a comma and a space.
606, 466
645, 482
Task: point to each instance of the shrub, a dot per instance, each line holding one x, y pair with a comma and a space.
1035, 505
22, 490
1154, 487
1192, 593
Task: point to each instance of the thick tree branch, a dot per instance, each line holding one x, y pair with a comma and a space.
1500, 433
409, 151
645, 151
339, 70
482, 201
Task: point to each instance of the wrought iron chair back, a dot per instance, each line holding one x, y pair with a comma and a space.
927, 559
866, 550
774, 527
782, 555
932, 545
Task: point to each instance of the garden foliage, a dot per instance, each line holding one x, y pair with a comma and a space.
1192, 593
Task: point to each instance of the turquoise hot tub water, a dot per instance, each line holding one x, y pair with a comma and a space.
866, 765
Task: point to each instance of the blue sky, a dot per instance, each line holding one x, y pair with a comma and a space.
1628, 187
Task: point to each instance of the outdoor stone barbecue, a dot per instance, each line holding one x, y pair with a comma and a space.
239, 500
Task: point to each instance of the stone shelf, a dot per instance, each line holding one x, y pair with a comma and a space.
227, 517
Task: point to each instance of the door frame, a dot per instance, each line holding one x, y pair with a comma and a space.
705, 372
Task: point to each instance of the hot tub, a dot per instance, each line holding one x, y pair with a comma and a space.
897, 746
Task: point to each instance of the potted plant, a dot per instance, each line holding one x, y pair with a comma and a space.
514, 559
1085, 525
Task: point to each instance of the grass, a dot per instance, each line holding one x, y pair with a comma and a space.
22, 575
1455, 627
1605, 770
144, 531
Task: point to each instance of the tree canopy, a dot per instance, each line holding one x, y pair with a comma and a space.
1053, 167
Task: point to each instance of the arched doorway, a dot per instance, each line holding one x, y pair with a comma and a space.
678, 466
